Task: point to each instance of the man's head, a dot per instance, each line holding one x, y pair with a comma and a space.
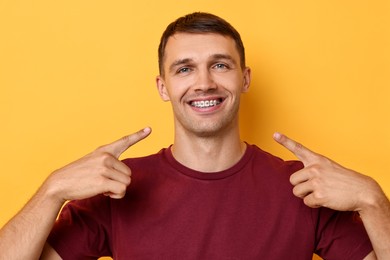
200, 23
202, 74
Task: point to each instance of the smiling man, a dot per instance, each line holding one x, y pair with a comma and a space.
210, 195
203, 78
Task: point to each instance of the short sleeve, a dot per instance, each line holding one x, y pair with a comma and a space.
341, 235
82, 230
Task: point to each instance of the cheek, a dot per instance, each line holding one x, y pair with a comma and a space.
179, 86
232, 83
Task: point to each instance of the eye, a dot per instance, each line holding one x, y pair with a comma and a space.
221, 66
183, 70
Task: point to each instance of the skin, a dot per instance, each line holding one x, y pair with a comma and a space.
198, 67
99, 172
324, 183
193, 73
201, 67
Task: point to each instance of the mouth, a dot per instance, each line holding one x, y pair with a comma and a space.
206, 103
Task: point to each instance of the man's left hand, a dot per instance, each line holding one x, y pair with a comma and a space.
324, 183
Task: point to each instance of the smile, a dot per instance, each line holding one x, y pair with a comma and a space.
206, 103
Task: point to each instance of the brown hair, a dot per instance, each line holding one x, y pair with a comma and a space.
200, 22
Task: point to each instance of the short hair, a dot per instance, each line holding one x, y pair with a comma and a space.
200, 23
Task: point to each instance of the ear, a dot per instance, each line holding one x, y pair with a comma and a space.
162, 90
247, 76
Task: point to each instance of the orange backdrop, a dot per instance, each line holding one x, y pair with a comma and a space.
78, 74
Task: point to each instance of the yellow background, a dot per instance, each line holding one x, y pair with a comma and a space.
78, 74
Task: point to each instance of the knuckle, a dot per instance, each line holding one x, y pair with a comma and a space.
310, 202
105, 158
315, 183
307, 201
125, 180
125, 139
121, 188
315, 170
296, 192
323, 160
118, 190
126, 170
130, 139
100, 181
298, 146
128, 181
318, 196
292, 179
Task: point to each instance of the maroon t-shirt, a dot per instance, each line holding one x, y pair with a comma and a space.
173, 212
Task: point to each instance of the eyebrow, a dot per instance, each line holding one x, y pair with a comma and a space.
213, 57
179, 62
224, 57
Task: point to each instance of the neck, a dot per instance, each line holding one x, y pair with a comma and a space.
208, 154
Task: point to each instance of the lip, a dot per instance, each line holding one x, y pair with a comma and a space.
206, 104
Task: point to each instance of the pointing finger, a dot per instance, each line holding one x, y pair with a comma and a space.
118, 147
300, 151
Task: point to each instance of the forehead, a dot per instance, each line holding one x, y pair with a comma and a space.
199, 46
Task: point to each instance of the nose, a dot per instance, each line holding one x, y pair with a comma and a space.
205, 81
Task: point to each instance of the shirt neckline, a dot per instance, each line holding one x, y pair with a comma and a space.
167, 153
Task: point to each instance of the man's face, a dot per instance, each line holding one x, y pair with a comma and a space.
203, 80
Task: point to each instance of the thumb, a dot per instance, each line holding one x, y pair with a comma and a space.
118, 147
300, 151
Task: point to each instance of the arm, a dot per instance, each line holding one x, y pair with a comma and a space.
376, 219
24, 236
324, 183
100, 172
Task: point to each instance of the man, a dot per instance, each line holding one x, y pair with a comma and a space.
210, 195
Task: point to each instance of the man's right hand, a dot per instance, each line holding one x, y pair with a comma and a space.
99, 172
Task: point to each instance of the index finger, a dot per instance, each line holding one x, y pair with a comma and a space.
118, 147
300, 151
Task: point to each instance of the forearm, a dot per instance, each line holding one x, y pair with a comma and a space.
376, 219
24, 236
99, 172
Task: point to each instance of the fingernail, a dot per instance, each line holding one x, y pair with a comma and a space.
277, 136
147, 130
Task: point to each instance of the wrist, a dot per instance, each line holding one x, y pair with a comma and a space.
51, 193
373, 199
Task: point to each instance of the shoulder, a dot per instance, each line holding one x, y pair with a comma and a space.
271, 163
149, 161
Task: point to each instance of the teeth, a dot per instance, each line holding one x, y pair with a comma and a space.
205, 103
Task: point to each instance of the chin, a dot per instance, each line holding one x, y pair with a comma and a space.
210, 130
